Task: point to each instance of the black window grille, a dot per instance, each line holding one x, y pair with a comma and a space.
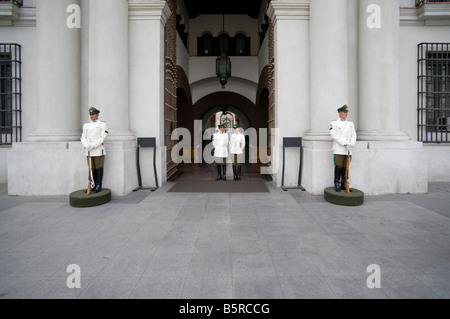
10, 94
207, 45
17, 2
434, 92
422, 2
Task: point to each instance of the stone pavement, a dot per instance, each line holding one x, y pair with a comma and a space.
284, 245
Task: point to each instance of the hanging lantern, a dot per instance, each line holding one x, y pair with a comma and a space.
223, 63
223, 68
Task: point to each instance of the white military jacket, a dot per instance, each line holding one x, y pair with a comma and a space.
343, 132
237, 143
220, 143
94, 134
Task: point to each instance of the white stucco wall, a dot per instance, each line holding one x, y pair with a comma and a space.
438, 157
263, 55
182, 56
203, 79
412, 33
410, 37
4, 164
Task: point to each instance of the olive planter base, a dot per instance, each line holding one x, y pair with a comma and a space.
81, 199
355, 198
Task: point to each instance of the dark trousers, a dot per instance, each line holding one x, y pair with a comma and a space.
341, 160
97, 169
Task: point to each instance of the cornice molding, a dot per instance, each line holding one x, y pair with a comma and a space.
288, 10
434, 13
148, 10
14, 16
408, 16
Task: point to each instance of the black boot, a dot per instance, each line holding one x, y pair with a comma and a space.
219, 173
234, 173
98, 180
239, 173
224, 172
343, 180
337, 179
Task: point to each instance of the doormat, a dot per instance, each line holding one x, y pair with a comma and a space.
206, 186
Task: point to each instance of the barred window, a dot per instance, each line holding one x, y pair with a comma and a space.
207, 45
434, 92
10, 94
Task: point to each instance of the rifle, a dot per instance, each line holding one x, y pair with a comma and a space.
91, 184
347, 186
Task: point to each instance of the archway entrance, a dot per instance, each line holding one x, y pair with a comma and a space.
210, 111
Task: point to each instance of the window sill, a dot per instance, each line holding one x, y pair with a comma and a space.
13, 15
434, 14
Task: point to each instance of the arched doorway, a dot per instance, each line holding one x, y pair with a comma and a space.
241, 109
250, 115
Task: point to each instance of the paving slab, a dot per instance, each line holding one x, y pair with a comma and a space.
288, 245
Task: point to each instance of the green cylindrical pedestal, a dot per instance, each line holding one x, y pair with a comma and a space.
355, 198
81, 199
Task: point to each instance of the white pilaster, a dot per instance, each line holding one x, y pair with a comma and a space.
108, 65
59, 50
329, 87
385, 159
147, 19
58, 167
329, 64
292, 86
379, 71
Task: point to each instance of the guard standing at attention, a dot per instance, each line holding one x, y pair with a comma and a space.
220, 143
237, 146
344, 136
92, 139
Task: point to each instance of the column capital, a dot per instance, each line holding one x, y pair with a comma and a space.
148, 10
289, 10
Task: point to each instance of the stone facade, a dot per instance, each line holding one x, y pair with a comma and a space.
326, 53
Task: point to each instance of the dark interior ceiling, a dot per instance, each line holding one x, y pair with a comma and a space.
199, 7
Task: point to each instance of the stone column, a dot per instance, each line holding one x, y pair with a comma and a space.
147, 73
379, 71
329, 87
58, 74
108, 65
329, 64
292, 85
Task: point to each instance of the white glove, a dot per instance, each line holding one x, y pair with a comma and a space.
349, 147
89, 148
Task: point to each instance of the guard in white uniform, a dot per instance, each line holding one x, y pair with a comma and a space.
92, 139
220, 143
237, 146
344, 136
